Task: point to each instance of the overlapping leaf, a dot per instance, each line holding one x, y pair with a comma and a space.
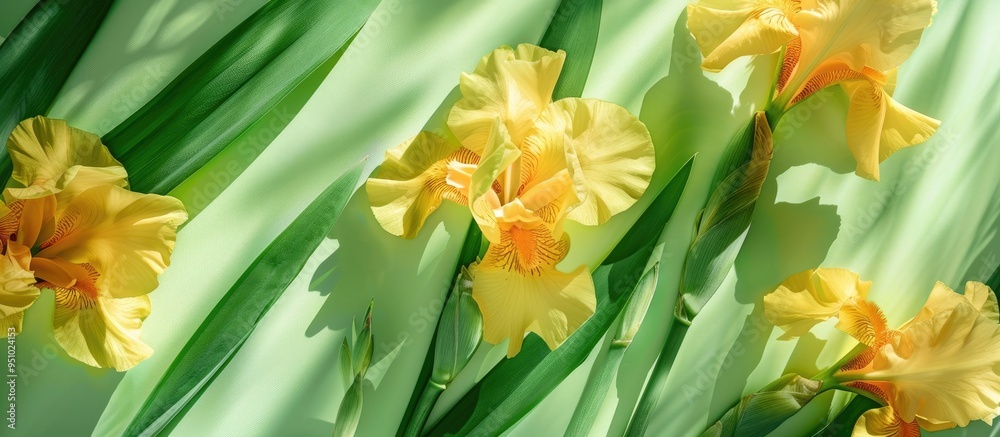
230, 87
239, 311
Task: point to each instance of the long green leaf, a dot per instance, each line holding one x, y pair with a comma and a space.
843, 424
38, 56
726, 216
236, 315
512, 388
230, 87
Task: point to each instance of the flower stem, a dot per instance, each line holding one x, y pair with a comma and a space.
428, 397
595, 392
658, 379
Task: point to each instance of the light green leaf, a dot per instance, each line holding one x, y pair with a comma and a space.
38, 56
364, 345
230, 87
637, 306
236, 315
514, 386
726, 216
757, 414
460, 331
349, 413
346, 366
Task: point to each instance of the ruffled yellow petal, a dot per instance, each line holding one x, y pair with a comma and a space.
728, 29
878, 126
883, 422
608, 150
17, 291
48, 154
512, 84
518, 289
943, 299
126, 236
861, 33
413, 180
810, 297
943, 369
101, 331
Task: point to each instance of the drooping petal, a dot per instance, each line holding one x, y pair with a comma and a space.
17, 291
943, 369
126, 236
863, 320
878, 126
883, 422
518, 289
101, 331
810, 297
861, 33
728, 29
44, 150
512, 84
413, 180
608, 149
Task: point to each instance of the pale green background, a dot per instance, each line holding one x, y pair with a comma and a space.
932, 217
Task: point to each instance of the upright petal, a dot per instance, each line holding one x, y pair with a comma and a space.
413, 180
883, 422
44, 150
519, 290
498, 157
512, 84
612, 150
728, 29
861, 33
101, 331
126, 236
943, 369
808, 298
18, 291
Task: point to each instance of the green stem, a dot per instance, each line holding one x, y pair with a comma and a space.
595, 392
658, 380
428, 398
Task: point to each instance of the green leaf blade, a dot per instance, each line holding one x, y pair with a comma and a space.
239, 311
38, 57
230, 87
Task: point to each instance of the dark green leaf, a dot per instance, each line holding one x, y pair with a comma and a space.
843, 424
574, 29
512, 388
236, 315
726, 216
230, 87
38, 56
757, 414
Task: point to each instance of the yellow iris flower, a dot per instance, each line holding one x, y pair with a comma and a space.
524, 165
857, 44
69, 224
939, 370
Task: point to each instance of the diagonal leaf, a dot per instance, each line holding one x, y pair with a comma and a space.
230, 87
38, 56
843, 424
574, 29
236, 315
512, 388
349, 413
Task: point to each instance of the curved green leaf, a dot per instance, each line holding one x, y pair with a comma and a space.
757, 414
236, 315
230, 87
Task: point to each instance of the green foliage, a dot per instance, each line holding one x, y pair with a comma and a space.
574, 29
236, 315
460, 331
38, 56
726, 216
757, 414
515, 385
230, 87
353, 371
843, 424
